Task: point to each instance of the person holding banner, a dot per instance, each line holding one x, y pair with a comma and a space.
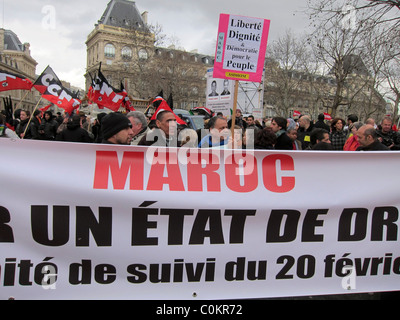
5, 132
265, 140
368, 139
139, 126
116, 129
320, 140
74, 132
278, 126
219, 134
165, 134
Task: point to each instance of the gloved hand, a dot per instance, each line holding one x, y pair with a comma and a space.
8, 107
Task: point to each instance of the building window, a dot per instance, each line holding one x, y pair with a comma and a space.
109, 51
126, 53
143, 55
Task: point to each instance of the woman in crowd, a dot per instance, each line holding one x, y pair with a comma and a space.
352, 142
338, 135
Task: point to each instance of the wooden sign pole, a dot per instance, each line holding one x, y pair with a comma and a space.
235, 99
19, 104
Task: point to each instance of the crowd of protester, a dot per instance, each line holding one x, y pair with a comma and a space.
275, 133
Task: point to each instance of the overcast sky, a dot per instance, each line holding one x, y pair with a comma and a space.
57, 29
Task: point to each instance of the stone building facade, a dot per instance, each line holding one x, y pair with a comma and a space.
287, 91
15, 57
124, 45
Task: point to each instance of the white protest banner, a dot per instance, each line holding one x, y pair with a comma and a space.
82, 221
241, 48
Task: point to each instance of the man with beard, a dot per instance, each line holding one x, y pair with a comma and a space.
116, 129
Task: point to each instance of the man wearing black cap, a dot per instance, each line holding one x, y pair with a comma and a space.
117, 129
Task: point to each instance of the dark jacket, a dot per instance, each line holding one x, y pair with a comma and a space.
31, 132
338, 139
376, 146
74, 133
284, 142
48, 129
304, 136
322, 125
239, 122
390, 138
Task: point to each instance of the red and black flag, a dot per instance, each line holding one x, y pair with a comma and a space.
106, 96
52, 90
90, 93
127, 101
163, 106
10, 81
170, 101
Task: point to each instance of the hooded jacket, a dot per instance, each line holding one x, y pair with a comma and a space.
74, 132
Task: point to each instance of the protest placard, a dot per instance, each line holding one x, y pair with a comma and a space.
241, 48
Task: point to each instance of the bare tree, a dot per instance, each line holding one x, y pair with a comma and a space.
363, 28
285, 61
391, 72
338, 40
384, 12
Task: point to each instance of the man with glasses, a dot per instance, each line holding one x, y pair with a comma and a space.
219, 134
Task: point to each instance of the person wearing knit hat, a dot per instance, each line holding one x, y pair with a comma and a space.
116, 129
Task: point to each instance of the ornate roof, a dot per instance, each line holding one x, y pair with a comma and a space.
11, 41
123, 14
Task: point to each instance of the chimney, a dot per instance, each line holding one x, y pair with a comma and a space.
27, 47
145, 16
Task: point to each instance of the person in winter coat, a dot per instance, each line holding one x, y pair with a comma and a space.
278, 126
368, 139
116, 129
96, 128
387, 136
304, 132
265, 140
338, 135
352, 143
321, 123
74, 132
27, 129
5, 132
48, 127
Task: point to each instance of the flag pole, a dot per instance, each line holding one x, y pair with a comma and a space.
19, 104
235, 99
30, 120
